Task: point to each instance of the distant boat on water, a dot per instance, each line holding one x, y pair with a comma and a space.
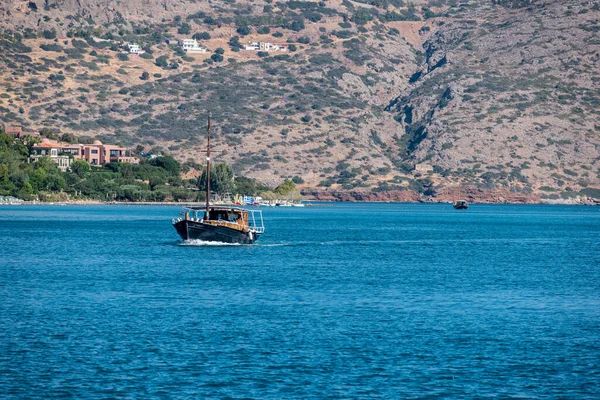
460, 204
219, 223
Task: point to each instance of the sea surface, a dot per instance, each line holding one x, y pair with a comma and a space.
337, 301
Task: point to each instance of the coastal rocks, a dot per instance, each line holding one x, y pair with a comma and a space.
445, 195
575, 201
399, 196
479, 195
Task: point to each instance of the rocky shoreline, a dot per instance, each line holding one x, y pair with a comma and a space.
471, 195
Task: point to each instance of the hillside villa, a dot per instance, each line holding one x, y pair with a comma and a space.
63, 154
191, 46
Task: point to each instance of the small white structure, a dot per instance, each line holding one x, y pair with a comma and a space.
135, 49
278, 46
253, 46
266, 46
191, 46
100, 40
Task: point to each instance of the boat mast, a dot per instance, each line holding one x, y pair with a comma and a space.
207, 168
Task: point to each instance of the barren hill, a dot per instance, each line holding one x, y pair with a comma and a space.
372, 94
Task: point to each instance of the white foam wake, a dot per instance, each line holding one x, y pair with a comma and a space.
198, 242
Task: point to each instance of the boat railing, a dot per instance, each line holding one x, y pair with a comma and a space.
255, 221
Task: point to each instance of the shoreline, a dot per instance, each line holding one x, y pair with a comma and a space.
558, 202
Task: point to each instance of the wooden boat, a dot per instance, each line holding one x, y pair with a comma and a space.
219, 223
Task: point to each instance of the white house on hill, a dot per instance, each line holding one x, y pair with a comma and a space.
191, 46
266, 46
135, 49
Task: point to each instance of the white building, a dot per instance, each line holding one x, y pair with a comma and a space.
135, 49
191, 46
266, 46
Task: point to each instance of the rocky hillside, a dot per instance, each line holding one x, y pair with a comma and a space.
509, 98
373, 94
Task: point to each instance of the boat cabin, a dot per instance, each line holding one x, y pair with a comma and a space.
229, 217
237, 216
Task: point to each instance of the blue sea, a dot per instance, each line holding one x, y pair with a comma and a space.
337, 301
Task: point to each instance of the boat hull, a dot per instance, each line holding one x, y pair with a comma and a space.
210, 233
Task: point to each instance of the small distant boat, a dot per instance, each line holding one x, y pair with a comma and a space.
219, 223
460, 205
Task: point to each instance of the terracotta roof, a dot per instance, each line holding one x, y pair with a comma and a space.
48, 146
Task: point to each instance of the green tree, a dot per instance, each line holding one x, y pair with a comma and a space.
69, 138
184, 29
285, 187
248, 186
3, 173
49, 34
175, 181
234, 43
55, 182
29, 141
201, 36
50, 133
221, 179
80, 167
37, 178
243, 30
156, 180
168, 163
162, 62
263, 30
297, 25
46, 164
26, 191
6, 140
21, 149
287, 190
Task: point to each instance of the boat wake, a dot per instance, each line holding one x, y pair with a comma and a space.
198, 242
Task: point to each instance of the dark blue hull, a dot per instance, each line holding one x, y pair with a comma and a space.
197, 230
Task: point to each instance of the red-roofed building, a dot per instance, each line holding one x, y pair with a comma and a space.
96, 154
18, 132
52, 149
